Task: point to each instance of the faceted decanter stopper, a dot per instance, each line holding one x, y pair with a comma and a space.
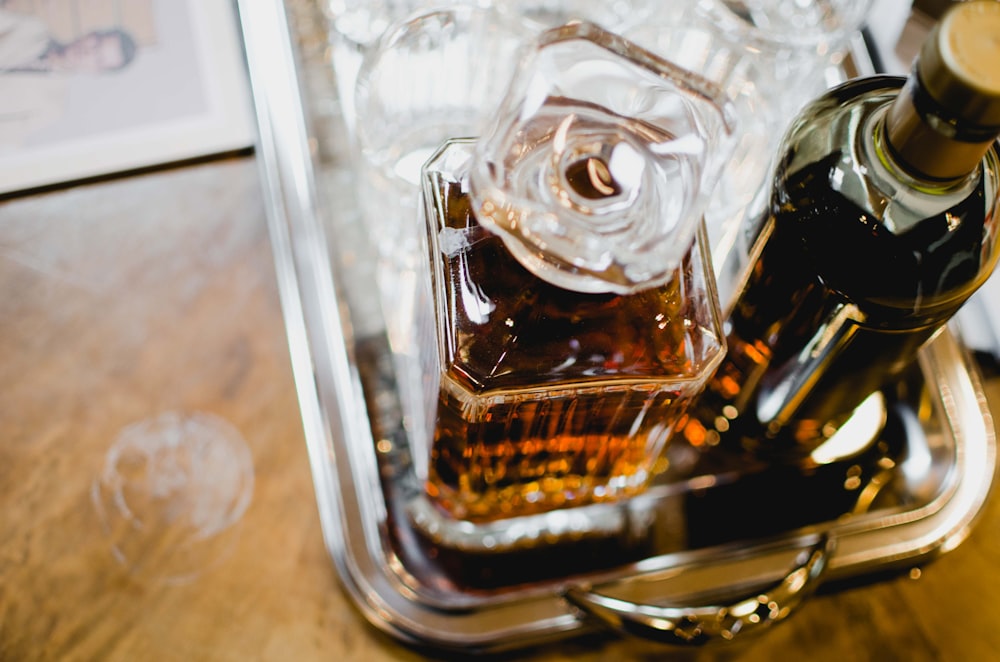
599, 165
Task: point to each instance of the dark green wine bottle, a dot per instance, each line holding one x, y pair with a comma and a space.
882, 222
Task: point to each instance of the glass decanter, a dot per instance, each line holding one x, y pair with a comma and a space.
575, 305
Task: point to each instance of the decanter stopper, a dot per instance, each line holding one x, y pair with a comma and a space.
599, 166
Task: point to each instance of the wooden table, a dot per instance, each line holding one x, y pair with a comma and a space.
130, 298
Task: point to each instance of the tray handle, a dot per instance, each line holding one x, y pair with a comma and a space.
701, 625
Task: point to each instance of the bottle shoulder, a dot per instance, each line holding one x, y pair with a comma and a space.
875, 233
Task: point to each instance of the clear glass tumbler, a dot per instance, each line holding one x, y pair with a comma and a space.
431, 77
770, 57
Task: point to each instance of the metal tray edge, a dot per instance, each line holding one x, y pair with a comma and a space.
331, 399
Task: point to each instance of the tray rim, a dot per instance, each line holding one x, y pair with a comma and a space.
345, 473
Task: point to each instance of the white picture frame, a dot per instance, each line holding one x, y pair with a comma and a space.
184, 93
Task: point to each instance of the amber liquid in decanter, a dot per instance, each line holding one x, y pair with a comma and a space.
551, 398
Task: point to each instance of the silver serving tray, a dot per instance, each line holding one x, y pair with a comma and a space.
720, 532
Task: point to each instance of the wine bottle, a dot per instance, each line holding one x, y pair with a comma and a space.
882, 222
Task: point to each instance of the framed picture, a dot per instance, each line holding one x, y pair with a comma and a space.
97, 87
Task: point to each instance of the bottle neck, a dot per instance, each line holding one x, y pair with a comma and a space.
927, 142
